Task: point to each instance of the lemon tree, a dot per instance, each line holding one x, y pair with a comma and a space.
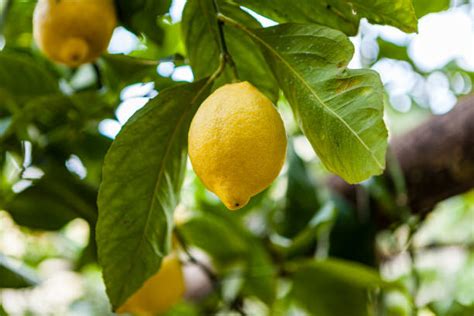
130, 128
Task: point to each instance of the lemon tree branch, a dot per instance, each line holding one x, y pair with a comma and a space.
225, 55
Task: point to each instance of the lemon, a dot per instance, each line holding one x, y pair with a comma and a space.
160, 292
73, 32
237, 143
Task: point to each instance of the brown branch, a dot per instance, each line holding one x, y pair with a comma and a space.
436, 159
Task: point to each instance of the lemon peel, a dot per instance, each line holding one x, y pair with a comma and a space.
237, 143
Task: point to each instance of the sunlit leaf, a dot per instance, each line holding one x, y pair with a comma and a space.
338, 14
339, 110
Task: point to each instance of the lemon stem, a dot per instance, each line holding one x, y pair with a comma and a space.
224, 52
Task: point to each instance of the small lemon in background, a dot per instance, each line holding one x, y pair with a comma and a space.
159, 293
73, 32
237, 143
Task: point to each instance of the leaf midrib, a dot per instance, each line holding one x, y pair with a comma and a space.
313, 92
159, 176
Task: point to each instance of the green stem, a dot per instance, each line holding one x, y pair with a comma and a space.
222, 43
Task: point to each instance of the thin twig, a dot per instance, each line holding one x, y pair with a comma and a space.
210, 274
222, 43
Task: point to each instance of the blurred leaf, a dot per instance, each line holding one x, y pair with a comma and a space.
454, 309
334, 287
321, 223
423, 7
209, 232
17, 30
142, 178
141, 16
201, 36
15, 276
301, 198
338, 14
393, 51
38, 208
260, 275
339, 110
34, 81
53, 201
183, 309
212, 228
123, 70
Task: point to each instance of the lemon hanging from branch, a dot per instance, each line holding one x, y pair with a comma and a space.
160, 292
237, 143
73, 32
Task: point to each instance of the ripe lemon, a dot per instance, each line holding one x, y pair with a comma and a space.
160, 292
237, 143
73, 32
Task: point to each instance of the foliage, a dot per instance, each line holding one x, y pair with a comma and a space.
59, 170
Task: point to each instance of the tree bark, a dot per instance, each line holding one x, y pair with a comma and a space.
436, 159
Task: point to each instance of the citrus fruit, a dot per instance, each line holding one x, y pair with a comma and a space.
237, 143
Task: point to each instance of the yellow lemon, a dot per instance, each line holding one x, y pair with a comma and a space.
160, 292
237, 143
73, 32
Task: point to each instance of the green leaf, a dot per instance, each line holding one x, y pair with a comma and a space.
34, 81
260, 275
334, 287
53, 201
214, 227
423, 7
398, 13
338, 14
141, 17
17, 26
201, 36
304, 11
391, 50
15, 276
209, 232
142, 178
122, 70
339, 110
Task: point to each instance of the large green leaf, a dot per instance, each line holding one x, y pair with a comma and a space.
304, 11
339, 110
201, 36
142, 177
334, 287
34, 80
15, 276
338, 14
